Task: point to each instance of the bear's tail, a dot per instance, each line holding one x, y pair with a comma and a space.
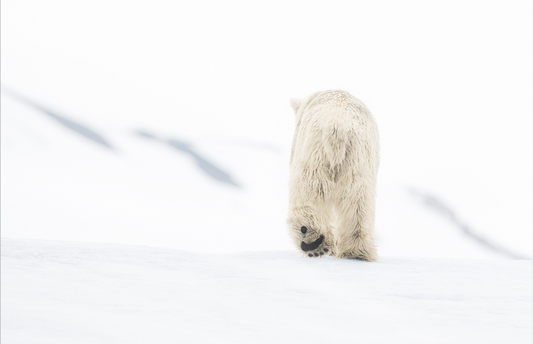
336, 141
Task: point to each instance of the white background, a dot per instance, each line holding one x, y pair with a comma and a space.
449, 82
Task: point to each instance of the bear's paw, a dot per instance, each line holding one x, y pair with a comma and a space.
316, 248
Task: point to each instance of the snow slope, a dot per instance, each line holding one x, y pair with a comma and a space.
61, 292
59, 185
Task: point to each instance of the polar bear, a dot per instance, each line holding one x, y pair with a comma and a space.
333, 169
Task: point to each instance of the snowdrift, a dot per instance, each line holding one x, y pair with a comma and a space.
64, 292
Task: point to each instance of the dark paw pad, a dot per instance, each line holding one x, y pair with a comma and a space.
318, 254
357, 258
312, 246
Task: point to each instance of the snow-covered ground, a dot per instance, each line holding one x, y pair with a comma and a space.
145, 154
57, 292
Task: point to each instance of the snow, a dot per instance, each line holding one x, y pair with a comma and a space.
145, 149
60, 292
147, 192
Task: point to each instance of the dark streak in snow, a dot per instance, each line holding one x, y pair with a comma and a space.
76, 127
209, 168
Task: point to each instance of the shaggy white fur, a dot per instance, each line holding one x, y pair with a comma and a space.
334, 165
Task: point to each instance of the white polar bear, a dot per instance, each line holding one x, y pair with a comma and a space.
334, 165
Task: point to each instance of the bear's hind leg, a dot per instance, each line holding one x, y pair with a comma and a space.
355, 232
311, 230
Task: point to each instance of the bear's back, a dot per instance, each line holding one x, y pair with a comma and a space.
335, 132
